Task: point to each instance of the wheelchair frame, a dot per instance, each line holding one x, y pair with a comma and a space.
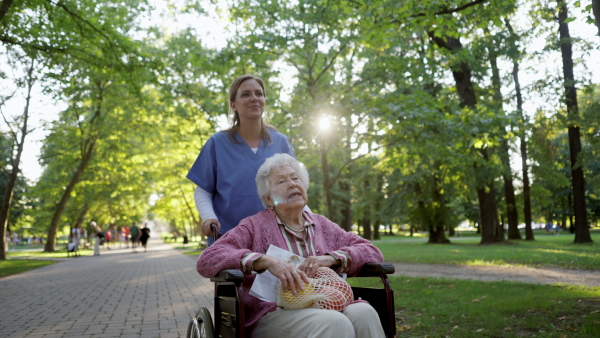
229, 304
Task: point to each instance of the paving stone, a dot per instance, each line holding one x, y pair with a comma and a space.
116, 294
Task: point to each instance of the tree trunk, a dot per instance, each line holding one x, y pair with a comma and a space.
60, 207
367, 214
509, 194
193, 213
596, 11
582, 232
523, 145
366, 225
439, 214
15, 162
4, 7
377, 208
487, 206
509, 189
346, 222
346, 198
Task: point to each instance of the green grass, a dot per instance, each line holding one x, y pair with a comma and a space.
36, 254
545, 251
33, 258
189, 250
13, 266
432, 307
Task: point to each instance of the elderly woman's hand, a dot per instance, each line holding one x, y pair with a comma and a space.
205, 227
292, 279
312, 263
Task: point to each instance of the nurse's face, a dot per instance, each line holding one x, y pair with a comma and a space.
249, 101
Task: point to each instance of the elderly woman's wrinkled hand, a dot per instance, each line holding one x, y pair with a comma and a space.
292, 279
312, 263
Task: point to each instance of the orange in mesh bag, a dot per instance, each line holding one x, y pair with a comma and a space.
326, 290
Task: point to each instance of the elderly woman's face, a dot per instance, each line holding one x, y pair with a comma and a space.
286, 189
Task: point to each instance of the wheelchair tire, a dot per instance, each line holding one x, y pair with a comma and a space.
201, 326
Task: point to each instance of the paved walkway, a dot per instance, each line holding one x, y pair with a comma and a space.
116, 294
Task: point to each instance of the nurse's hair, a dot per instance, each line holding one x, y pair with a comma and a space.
275, 161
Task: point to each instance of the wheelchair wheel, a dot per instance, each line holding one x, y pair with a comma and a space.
201, 326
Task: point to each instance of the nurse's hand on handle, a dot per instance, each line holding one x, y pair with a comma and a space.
206, 227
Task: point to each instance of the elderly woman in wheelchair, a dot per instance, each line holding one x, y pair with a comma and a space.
282, 183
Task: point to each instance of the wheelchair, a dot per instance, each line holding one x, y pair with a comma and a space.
229, 304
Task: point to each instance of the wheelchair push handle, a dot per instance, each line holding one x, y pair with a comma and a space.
215, 229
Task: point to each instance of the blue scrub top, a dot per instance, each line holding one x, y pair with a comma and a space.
228, 170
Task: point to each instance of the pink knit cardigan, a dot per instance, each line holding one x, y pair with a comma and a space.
256, 233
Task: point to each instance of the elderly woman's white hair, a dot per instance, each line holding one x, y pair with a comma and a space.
275, 161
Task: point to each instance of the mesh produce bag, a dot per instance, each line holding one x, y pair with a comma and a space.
326, 290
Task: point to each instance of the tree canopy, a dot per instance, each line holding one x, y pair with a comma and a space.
427, 115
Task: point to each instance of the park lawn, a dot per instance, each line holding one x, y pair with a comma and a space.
191, 249
545, 251
21, 261
13, 266
192, 252
437, 307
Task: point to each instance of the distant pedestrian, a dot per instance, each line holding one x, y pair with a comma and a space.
107, 237
134, 232
126, 229
76, 234
98, 236
15, 237
145, 234
122, 238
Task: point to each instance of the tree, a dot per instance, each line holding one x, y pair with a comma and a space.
515, 55
503, 149
596, 11
323, 50
582, 232
67, 28
18, 130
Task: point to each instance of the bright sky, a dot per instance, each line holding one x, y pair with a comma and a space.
44, 109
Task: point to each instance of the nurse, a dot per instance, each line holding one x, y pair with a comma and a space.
224, 171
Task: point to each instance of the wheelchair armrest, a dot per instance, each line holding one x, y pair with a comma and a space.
229, 275
376, 269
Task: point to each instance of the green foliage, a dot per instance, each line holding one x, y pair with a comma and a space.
21, 201
403, 147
